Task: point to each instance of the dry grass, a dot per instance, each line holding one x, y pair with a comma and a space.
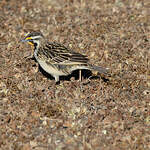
37, 114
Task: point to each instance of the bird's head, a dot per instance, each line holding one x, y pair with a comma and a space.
33, 38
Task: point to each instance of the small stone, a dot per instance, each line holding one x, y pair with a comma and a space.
104, 132
33, 143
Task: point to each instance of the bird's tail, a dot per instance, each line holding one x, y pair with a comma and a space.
99, 69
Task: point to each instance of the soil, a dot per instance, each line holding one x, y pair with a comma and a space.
102, 112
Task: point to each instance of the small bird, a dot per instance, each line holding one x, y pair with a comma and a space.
56, 59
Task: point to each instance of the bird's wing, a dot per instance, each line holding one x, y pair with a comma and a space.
59, 54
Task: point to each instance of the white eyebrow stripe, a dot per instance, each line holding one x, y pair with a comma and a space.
36, 37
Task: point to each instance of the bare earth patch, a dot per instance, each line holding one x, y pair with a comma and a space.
107, 113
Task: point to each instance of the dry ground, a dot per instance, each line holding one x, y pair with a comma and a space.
99, 114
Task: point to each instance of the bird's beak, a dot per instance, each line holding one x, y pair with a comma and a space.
22, 40
27, 39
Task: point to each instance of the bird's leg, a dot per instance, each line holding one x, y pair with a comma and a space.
38, 68
57, 79
80, 75
29, 57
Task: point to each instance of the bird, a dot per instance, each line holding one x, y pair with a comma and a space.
57, 59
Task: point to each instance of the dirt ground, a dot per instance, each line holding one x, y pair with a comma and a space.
107, 113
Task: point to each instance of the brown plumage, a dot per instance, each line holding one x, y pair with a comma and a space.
56, 59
